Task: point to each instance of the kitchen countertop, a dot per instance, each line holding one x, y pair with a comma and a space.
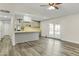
25, 31
29, 29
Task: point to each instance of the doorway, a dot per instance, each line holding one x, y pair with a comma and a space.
5, 24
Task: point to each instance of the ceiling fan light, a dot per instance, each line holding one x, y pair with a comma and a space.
51, 8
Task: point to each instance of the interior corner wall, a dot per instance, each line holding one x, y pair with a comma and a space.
69, 27
44, 25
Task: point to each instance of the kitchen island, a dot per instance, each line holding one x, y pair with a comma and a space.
27, 35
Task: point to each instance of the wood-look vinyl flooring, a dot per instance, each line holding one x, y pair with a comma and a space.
41, 47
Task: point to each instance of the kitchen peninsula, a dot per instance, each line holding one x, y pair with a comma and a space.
29, 34
26, 30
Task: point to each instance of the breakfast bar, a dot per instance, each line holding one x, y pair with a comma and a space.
29, 34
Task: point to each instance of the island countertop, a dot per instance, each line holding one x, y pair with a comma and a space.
25, 31
29, 29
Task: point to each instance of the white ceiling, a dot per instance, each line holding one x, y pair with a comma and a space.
41, 13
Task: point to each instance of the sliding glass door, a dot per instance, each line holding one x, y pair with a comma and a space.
54, 30
57, 31
51, 30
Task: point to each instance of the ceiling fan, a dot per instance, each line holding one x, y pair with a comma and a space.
52, 5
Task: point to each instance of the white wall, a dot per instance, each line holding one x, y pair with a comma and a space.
69, 27
35, 24
44, 28
44, 25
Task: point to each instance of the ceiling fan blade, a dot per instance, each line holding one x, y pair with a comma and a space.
58, 3
51, 4
56, 7
43, 5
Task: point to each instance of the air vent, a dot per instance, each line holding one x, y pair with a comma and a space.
5, 11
